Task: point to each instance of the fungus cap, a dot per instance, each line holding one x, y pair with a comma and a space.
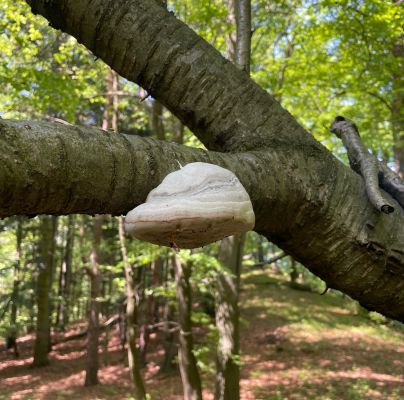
194, 206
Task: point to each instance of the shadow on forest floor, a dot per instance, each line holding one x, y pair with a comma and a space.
295, 345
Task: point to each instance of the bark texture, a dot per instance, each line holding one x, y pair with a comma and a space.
243, 42
227, 384
227, 319
397, 108
146, 44
131, 320
11, 339
304, 199
42, 336
93, 332
191, 381
306, 206
65, 278
369, 167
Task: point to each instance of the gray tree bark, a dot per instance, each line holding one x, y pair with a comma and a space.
46, 257
131, 321
65, 278
11, 340
397, 109
191, 381
305, 200
93, 332
227, 385
227, 319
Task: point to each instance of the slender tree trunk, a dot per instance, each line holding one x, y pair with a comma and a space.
178, 131
397, 110
31, 326
170, 342
243, 40
151, 310
93, 332
294, 274
131, 321
110, 120
144, 314
157, 120
144, 336
65, 279
42, 339
231, 248
227, 319
77, 287
112, 103
191, 381
232, 36
55, 220
260, 249
11, 340
170, 338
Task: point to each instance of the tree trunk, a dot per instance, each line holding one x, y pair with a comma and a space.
243, 38
77, 287
151, 309
170, 338
93, 332
157, 120
65, 278
131, 321
11, 340
231, 250
42, 338
191, 381
227, 319
293, 273
260, 249
397, 110
55, 220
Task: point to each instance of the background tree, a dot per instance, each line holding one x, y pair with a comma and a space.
304, 200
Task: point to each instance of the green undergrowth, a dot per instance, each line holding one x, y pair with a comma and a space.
302, 345
310, 310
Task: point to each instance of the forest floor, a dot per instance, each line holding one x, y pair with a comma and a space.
295, 345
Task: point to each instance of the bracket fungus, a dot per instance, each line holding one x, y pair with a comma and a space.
192, 207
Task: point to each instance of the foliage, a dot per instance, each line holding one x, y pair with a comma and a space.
319, 59
327, 58
42, 71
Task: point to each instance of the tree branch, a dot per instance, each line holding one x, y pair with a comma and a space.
271, 260
315, 209
380, 98
146, 44
369, 167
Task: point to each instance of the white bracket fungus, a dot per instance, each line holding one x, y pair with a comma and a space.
194, 206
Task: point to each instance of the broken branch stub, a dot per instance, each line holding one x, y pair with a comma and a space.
192, 207
369, 167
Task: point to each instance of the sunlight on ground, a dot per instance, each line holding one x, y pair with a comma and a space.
295, 346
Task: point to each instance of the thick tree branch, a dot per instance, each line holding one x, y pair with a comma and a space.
52, 168
146, 44
315, 209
